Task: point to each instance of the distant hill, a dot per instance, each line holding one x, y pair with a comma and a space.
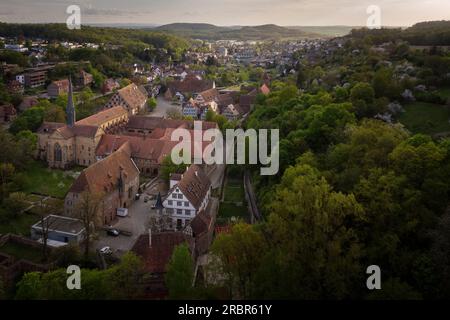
428, 33
206, 31
327, 31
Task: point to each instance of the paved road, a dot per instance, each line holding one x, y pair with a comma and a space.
255, 214
162, 106
136, 222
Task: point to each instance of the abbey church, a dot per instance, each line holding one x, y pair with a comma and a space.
64, 145
87, 141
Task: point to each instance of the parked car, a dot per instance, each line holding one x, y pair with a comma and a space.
146, 199
105, 250
153, 206
112, 232
137, 197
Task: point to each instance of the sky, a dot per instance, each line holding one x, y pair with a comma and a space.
227, 12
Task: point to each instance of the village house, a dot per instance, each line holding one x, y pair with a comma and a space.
15, 87
7, 113
232, 112
114, 180
201, 228
57, 88
155, 250
110, 85
189, 193
130, 97
187, 88
35, 79
83, 79
208, 98
27, 103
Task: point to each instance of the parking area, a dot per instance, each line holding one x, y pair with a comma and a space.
135, 224
162, 107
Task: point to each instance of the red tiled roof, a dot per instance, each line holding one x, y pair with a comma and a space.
201, 223
132, 95
62, 84
190, 85
49, 127
103, 116
103, 176
158, 255
209, 95
264, 89
194, 185
153, 123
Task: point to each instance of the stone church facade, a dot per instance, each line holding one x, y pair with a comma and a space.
74, 143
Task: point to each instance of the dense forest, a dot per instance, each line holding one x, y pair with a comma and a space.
133, 41
352, 190
211, 32
433, 33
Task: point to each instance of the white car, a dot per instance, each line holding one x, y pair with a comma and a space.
105, 250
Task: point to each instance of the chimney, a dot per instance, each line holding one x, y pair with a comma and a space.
150, 237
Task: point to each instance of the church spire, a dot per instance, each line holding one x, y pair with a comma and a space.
70, 109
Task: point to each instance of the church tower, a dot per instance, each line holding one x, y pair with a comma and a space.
70, 109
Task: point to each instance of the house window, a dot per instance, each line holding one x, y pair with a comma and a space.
187, 212
180, 196
58, 152
179, 211
174, 195
170, 202
186, 204
179, 203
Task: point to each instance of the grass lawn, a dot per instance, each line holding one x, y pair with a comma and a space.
22, 252
444, 92
20, 225
234, 191
429, 118
42, 180
228, 210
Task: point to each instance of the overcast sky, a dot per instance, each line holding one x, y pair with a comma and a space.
227, 12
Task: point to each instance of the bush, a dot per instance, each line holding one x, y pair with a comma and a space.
430, 97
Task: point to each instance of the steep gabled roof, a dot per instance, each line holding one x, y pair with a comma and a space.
201, 223
190, 85
194, 185
132, 95
209, 95
103, 176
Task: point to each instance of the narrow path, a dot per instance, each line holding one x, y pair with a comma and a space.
251, 198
